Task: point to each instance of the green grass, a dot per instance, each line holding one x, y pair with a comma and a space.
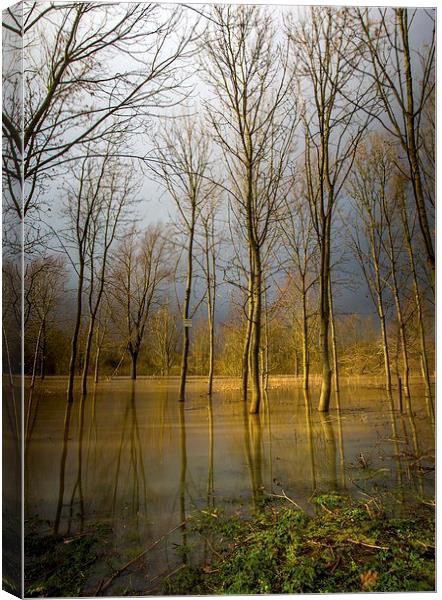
58, 566
348, 546
345, 546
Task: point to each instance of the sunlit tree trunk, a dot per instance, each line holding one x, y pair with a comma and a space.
305, 355
413, 158
397, 301
417, 297
333, 340
186, 314
255, 345
324, 316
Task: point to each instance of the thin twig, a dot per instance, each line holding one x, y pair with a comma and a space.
103, 586
368, 545
284, 495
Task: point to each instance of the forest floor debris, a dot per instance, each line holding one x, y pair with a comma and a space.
346, 545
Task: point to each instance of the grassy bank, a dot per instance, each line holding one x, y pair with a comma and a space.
345, 546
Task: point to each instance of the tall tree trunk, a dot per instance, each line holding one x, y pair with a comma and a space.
324, 315
402, 337
381, 312
75, 336
265, 361
43, 352
186, 340
211, 356
255, 375
412, 152
417, 300
248, 335
333, 339
211, 291
305, 357
87, 355
134, 360
385, 349
97, 364
34, 362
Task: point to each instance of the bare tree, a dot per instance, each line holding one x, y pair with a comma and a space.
98, 195
139, 270
164, 333
332, 134
403, 77
210, 247
43, 288
253, 126
89, 69
115, 196
367, 186
417, 294
183, 170
300, 244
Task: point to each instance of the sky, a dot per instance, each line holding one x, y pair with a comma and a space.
158, 206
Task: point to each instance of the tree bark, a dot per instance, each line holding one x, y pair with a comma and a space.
43, 352
133, 368
412, 154
75, 336
324, 314
333, 339
305, 357
417, 300
186, 340
87, 356
255, 376
247, 340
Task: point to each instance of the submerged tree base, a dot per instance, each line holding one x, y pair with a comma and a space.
348, 546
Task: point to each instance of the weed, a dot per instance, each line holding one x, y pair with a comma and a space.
346, 547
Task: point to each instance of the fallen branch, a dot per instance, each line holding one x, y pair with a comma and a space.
284, 495
105, 584
165, 576
368, 545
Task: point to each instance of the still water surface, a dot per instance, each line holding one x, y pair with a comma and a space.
133, 457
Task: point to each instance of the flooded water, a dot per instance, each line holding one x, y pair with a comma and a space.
132, 457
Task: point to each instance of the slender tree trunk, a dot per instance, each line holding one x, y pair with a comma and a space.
333, 339
211, 356
247, 340
305, 357
186, 340
412, 152
99, 343
211, 291
256, 335
133, 368
385, 348
43, 353
97, 364
324, 314
402, 337
265, 362
381, 312
34, 362
75, 335
87, 355
417, 300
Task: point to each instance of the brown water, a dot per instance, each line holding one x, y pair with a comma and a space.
135, 458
